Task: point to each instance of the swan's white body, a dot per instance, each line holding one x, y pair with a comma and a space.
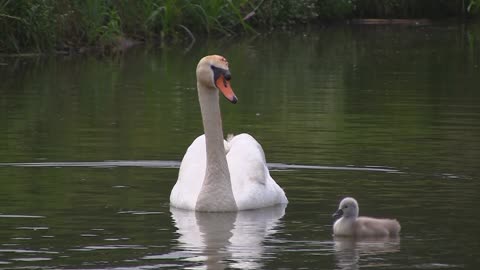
218, 175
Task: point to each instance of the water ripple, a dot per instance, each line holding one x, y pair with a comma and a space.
32, 228
176, 164
20, 216
140, 212
38, 259
109, 247
26, 251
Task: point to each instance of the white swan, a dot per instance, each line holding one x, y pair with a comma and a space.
218, 175
350, 224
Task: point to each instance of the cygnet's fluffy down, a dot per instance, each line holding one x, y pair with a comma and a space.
350, 224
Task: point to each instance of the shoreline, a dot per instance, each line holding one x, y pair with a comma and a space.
123, 44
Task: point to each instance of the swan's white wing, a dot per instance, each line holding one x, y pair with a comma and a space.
252, 185
190, 176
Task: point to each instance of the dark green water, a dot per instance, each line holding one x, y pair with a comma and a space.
389, 115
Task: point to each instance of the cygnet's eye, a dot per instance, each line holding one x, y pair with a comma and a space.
346, 206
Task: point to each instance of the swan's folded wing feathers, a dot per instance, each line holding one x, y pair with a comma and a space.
190, 176
246, 157
377, 227
252, 184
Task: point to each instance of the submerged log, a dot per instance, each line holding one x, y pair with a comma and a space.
393, 21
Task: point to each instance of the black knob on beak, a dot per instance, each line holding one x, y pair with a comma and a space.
228, 76
338, 214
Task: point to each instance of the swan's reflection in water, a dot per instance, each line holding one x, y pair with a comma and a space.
350, 252
226, 240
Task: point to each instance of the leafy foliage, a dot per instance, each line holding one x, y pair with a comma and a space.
25, 22
473, 6
45, 25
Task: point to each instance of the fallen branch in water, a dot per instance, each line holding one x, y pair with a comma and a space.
253, 12
191, 36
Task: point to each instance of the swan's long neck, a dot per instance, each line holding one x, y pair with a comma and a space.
216, 193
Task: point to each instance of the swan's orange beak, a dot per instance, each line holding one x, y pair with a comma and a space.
223, 84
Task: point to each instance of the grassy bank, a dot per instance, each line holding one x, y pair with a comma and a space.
45, 25
72, 25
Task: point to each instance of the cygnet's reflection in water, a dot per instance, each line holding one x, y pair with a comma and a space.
349, 251
226, 240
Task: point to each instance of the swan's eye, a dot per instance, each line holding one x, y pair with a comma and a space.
346, 206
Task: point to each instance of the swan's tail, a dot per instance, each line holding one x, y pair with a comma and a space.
230, 137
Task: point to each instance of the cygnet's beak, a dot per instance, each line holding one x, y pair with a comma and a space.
222, 81
338, 214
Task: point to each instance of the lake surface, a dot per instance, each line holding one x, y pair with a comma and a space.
90, 149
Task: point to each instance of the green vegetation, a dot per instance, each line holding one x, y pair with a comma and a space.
62, 25
44, 25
